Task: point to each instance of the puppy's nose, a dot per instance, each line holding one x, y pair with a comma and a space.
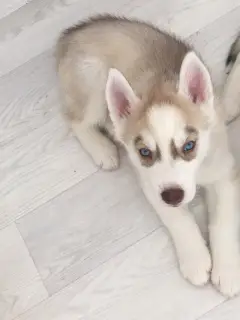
172, 196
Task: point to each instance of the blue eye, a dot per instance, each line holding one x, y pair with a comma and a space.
145, 152
189, 146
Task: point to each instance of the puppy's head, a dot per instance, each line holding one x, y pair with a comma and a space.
166, 133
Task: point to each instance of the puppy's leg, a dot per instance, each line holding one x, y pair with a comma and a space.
102, 150
224, 234
88, 131
193, 255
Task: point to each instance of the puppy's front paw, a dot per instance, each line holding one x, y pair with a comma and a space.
226, 277
196, 268
106, 157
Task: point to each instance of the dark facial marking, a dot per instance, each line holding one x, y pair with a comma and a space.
188, 150
174, 150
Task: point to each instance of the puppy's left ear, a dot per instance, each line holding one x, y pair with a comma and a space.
195, 81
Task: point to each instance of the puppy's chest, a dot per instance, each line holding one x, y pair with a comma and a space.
207, 174
215, 165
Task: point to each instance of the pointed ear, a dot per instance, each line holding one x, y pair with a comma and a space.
121, 99
195, 81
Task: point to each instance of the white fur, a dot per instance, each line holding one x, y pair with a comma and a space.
219, 177
166, 123
167, 172
224, 235
212, 168
193, 255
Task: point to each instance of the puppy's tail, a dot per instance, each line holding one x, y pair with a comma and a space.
233, 53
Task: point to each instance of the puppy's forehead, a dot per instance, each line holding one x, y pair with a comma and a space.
166, 121
147, 138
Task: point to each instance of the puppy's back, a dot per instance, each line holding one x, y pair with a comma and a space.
146, 56
124, 44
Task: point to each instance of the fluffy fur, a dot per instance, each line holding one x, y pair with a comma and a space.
151, 92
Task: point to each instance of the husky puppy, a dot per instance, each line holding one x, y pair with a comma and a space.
150, 91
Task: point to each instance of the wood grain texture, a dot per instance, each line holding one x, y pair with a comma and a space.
191, 17
39, 158
25, 16
7, 7
86, 226
229, 310
32, 22
214, 41
20, 284
131, 286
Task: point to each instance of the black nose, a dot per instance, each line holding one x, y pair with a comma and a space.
173, 196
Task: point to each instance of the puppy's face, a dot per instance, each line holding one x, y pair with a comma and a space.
167, 153
167, 136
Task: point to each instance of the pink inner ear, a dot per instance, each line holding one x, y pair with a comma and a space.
196, 86
122, 104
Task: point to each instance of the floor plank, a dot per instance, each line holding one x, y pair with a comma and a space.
39, 158
20, 284
32, 25
130, 286
214, 41
229, 310
7, 8
86, 226
192, 17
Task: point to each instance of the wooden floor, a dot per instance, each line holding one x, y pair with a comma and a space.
75, 242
